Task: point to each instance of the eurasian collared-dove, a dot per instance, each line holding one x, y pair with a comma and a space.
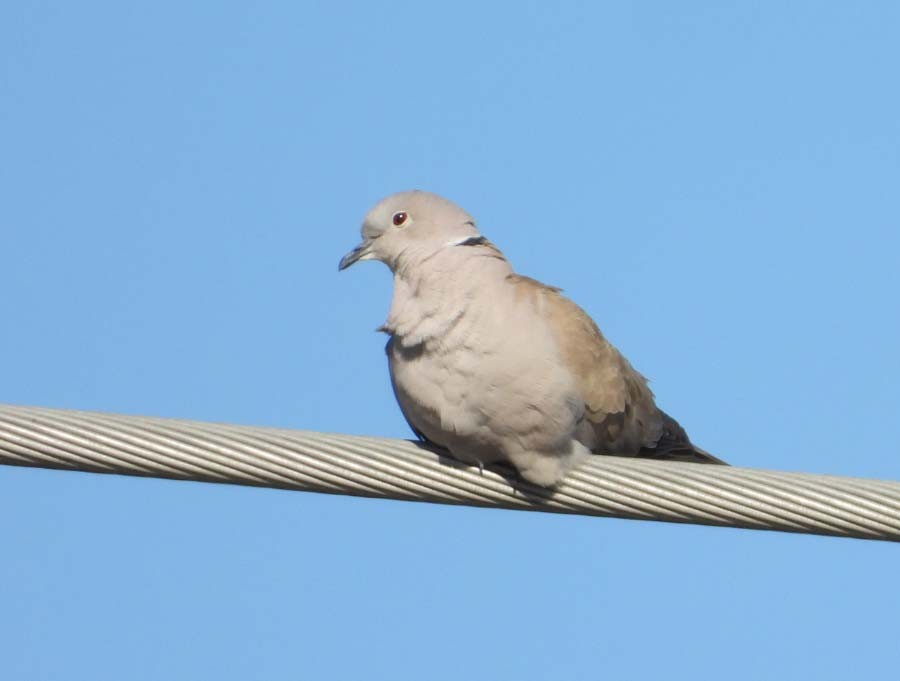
497, 367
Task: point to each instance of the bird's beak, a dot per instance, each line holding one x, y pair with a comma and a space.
361, 252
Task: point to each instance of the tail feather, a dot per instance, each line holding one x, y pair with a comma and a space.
675, 445
689, 454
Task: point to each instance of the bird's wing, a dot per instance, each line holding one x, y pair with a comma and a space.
619, 405
620, 413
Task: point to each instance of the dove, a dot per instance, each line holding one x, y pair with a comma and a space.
496, 367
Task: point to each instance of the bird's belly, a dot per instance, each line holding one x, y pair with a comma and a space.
481, 404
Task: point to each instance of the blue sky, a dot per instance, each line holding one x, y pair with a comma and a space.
716, 183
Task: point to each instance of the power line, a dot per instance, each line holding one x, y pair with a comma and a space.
403, 470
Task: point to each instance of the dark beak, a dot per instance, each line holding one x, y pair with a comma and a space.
361, 252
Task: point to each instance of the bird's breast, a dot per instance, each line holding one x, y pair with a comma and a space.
476, 384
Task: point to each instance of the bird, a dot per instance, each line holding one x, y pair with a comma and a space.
496, 367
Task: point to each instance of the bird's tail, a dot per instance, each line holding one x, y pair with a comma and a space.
688, 453
702, 456
675, 445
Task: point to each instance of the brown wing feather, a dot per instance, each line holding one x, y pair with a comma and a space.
620, 411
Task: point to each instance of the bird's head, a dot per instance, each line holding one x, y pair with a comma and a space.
410, 226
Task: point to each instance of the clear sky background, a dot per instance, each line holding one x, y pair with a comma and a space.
716, 183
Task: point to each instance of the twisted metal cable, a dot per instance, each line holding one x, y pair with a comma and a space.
399, 469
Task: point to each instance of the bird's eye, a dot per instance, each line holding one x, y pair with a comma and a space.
400, 218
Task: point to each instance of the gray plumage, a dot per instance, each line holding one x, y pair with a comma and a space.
498, 367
